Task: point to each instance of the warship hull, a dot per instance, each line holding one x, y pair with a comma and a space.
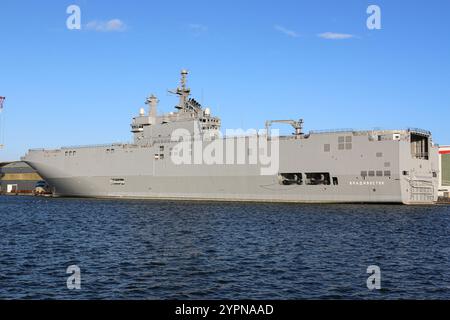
395, 166
375, 167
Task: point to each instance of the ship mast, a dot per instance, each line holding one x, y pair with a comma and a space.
152, 101
183, 91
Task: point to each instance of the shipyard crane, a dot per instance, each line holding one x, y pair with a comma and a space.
2, 100
297, 125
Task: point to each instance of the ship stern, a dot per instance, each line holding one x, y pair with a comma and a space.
419, 169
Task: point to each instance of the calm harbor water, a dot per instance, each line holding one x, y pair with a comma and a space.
186, 250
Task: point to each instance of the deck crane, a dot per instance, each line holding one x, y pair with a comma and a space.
297, 125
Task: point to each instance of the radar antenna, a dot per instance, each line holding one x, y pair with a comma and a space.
183, 91
184, 74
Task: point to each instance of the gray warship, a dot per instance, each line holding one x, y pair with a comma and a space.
335, 166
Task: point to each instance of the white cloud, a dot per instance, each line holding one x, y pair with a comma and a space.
287, 32
197, 29
335, 36
113, 25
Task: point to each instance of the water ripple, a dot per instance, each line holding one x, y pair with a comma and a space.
185, 250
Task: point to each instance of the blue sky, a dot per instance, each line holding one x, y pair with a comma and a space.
250, 61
